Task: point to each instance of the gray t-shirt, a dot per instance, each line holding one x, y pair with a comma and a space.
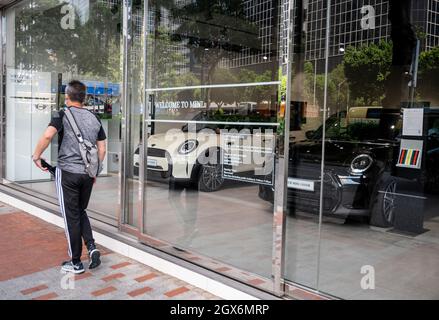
69, 156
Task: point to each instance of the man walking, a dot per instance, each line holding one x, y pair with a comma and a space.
73, 184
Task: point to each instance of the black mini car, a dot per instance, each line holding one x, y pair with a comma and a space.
359, 171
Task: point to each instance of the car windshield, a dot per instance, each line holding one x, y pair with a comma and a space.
338, 127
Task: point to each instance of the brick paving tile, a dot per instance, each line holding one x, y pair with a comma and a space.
176, 292
106, 290
146, 277
34, 289
140, 291
48, 296
113, 276
120, 265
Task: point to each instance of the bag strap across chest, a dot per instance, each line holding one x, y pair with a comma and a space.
74, 126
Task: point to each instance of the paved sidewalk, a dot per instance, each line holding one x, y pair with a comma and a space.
31, 251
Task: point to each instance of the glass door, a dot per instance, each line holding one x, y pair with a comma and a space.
211, 132
48, 44
132, 113
362, 179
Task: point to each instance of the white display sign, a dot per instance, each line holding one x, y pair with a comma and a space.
248, 157
413, 122
300, 184
29, 101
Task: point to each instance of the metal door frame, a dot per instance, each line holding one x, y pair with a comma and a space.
279, 209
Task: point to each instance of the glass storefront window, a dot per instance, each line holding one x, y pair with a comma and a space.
49, 43
362, 173
213, 95
203, 100
383, 163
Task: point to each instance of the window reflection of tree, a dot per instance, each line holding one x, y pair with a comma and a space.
214, 30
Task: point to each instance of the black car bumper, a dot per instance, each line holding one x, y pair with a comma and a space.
342, 196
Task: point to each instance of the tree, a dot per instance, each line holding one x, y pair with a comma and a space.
188, 79
91, 48
429, 76
340, 96
98, 44
308, 87
166, 61
214, 30
255, 93
224, 95
166, 67
39, 38
366, 69
337, 87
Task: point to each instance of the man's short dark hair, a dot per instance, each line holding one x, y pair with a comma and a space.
76, 91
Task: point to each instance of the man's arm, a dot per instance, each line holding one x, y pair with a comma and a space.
102, 137
42, 145
102, 149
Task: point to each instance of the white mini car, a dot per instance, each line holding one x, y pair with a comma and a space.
196, 157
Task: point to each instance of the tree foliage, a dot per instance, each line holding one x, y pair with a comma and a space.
213, 30
429, 76
367, 68
337, 93
91, 48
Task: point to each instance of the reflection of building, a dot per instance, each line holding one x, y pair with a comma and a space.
353, 23
264, 14
163, 22
350, 25
425, 14
361, 22
137, 26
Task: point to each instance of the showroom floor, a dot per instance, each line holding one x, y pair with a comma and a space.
234, 226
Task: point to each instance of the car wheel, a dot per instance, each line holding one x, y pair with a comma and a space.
383, 205
210, 177
207, 176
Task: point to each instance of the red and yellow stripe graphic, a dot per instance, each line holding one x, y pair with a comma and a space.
408, 157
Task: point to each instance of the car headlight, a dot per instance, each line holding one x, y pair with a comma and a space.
361, 163
188, 146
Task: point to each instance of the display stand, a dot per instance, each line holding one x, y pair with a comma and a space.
410, 165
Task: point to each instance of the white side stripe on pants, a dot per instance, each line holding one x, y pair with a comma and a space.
61, 205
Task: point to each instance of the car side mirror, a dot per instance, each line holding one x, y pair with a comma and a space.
309, 134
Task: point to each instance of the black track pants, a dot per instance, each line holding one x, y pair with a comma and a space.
74, 192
